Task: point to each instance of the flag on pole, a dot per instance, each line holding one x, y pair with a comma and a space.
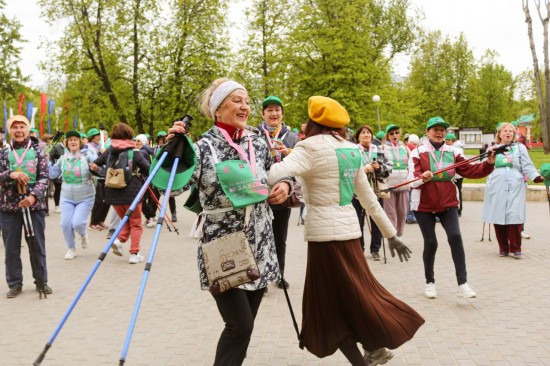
81, 125
51, 106
11, 112
74, 122
20, 104
57, 116
34, 111
5, 115
66, 107
43, 102
30, 106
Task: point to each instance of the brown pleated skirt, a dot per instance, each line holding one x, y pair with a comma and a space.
344, 302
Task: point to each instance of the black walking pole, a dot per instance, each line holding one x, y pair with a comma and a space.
36, 265
300, 339
176, 150
100, 260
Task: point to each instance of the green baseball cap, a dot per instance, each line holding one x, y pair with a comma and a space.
161, 133
72, 133
35, 131
545, 172
450, 136
514, 123
380, 135
83, 135
92, 132
271, 100
391, 126
437, 121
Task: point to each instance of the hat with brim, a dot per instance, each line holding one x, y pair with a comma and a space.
450, 136
72, 134
392, 126
327, 112
184, 171
272, 99
545, 172
436, 121
93, 132
18, 118
380, 135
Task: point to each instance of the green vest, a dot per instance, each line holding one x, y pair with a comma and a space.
448, 159
27, 166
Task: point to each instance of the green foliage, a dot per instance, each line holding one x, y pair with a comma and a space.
146, 62
10, 73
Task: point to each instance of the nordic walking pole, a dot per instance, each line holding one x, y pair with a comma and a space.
169, 225
36, 264
498, 150
100, 260
151, 252
483, 232
300, 340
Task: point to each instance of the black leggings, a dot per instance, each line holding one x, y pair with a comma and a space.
238, 309
449, 221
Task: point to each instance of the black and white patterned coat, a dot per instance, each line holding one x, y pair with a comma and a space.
259, 230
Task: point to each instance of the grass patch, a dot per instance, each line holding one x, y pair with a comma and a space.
537, 156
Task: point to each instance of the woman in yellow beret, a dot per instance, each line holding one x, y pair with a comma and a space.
343, 303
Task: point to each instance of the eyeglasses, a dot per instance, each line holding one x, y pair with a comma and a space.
393, 133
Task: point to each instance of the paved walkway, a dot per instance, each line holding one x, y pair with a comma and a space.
178, 324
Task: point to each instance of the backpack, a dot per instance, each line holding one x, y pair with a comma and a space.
119, 169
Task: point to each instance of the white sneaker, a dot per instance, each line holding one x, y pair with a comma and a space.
84, 241
465, 291
71, 253
151, 222
524, 235
135, 258
57, 209
430, 291
117, 247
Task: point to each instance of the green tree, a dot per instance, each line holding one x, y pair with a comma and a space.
10, 73
264, 57
343, 50
542, 82
440, 71
490, 95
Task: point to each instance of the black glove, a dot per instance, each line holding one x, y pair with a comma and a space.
396, 244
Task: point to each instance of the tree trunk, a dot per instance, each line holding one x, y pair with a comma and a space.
543, 98
135, 72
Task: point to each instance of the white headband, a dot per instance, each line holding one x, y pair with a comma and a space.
221, 93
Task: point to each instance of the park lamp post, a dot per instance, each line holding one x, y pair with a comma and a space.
376, 100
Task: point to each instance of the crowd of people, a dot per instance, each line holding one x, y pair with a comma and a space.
342, 182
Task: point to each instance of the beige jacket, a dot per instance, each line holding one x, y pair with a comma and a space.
314, 162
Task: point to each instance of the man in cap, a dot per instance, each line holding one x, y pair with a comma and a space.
281, 141
24, 167
100, 209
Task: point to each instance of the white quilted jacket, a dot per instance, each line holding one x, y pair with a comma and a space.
314, 162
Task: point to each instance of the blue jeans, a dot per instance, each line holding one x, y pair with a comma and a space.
12, 245
74, 218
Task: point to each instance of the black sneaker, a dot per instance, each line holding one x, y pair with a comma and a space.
282, 284
174, 217
47, 289
375, 256
13, 292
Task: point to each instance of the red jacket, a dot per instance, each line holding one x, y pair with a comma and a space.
439, 196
